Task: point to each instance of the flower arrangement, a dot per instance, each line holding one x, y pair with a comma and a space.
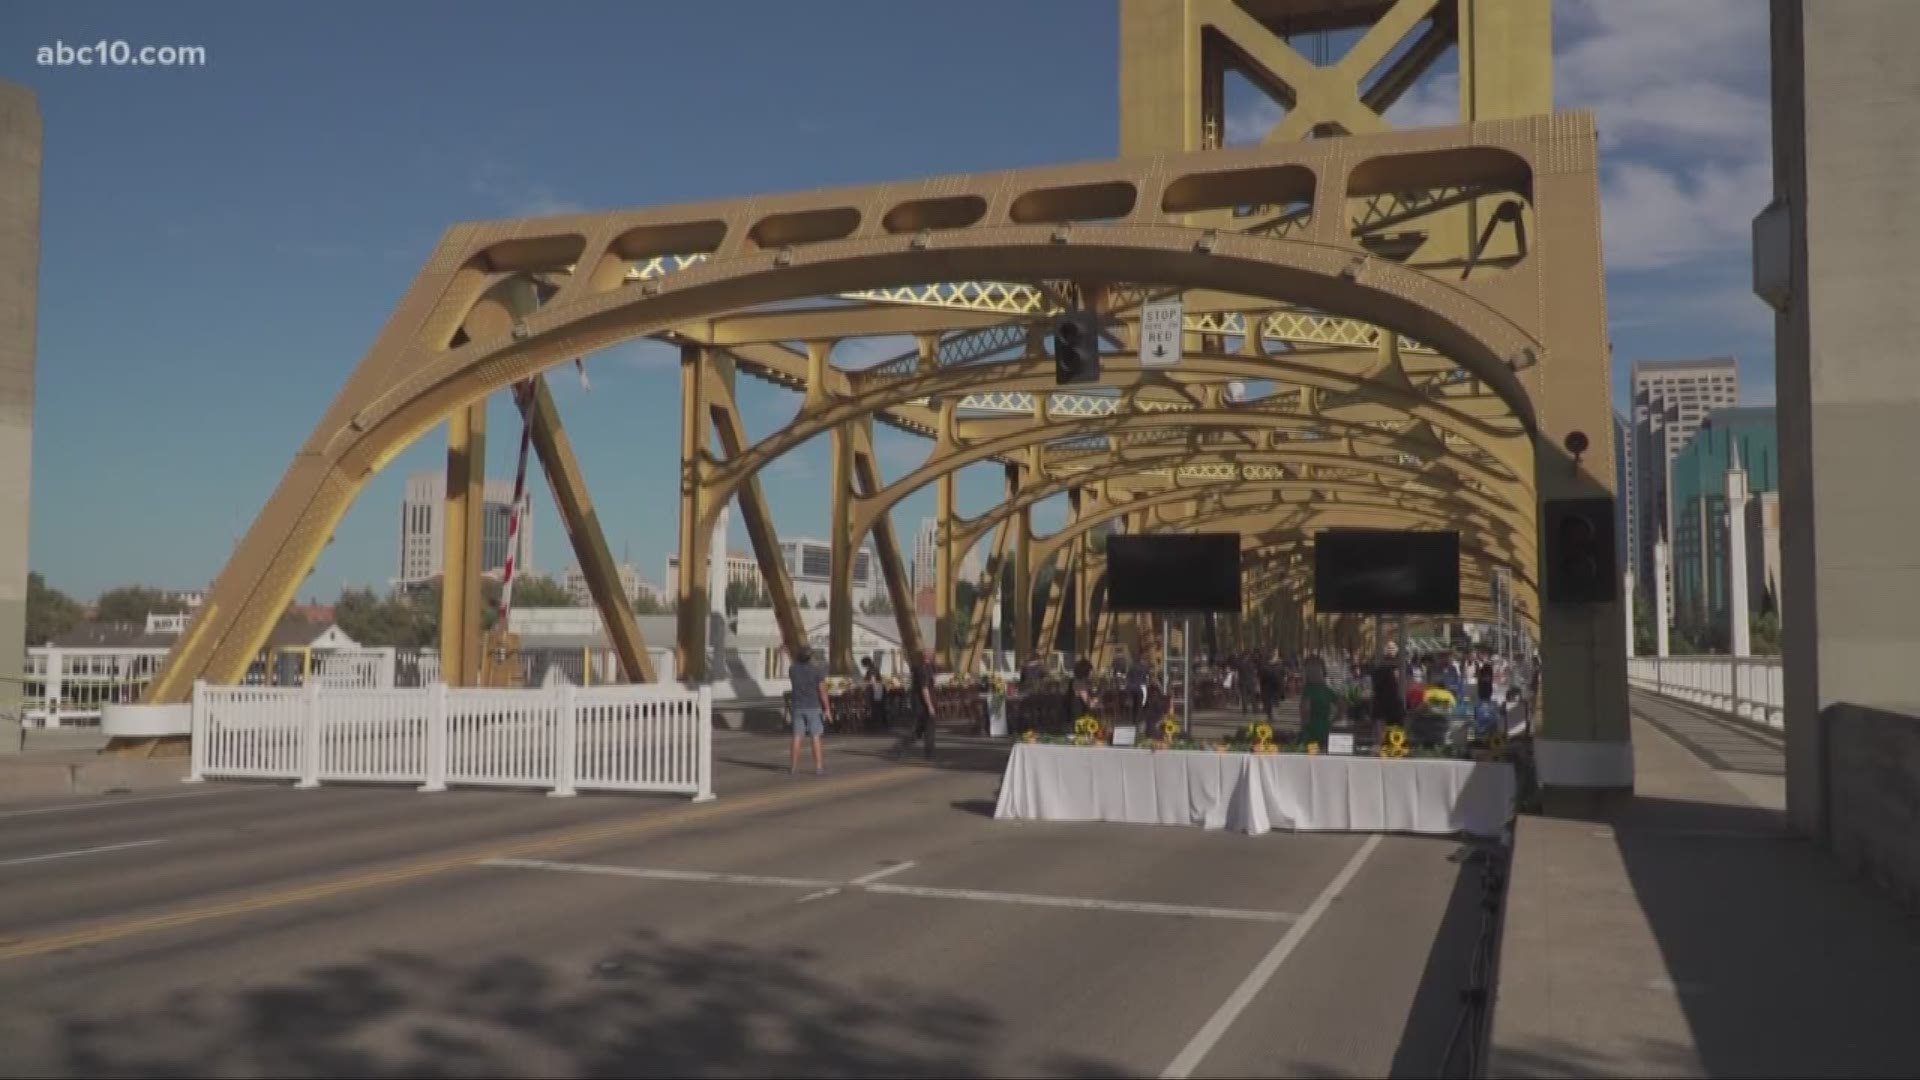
1396, 742
1086, 731
1029, 736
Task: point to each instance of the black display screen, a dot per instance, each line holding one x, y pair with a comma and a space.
1386, 572
1173, 572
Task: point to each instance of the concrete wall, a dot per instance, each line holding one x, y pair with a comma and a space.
19, 287
1846, 99
1874, 822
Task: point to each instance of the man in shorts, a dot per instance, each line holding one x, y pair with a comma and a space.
811, 709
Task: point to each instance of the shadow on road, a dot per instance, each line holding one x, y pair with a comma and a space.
652, 1007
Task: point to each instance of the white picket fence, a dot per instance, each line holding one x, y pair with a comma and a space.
1750, 687
619, 738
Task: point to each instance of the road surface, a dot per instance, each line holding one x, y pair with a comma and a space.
875, 921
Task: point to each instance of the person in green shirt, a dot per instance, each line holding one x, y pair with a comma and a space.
1317, 704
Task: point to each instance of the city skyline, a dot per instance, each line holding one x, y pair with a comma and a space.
141, 171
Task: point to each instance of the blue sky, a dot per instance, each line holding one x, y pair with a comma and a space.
220, 244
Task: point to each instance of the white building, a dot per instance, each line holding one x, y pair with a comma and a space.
423, 525
741, 567
631, 583
809, 565
1671, 399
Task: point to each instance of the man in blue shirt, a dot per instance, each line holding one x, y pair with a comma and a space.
812, 708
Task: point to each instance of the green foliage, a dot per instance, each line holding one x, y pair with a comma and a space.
747, 594
1644, 641
50, 612
1763, 633
877, 605
133, 603
646, 604
540, 591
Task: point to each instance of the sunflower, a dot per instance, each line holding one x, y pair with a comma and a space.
1396, 745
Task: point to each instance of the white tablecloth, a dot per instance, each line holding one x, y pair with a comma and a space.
1253, 793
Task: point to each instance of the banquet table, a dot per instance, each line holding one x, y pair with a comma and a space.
1256, 793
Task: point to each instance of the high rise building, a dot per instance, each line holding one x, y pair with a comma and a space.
926, 559
926, 554
1671, 399
423, 511
1625, 537
1701, 539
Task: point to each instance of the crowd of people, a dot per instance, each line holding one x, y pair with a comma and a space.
1421, 693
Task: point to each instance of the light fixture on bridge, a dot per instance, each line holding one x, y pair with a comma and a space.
1076, 349
520, 331
1204, 245
1523, 359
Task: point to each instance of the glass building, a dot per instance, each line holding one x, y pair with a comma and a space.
1699, 492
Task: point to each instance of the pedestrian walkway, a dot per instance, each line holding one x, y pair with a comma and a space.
1683, 932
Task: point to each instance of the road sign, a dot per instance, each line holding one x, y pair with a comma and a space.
1160, 326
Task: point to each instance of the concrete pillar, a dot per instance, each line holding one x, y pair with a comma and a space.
1740, 631
19, 306
1627, 593
1833, 255
1660, 597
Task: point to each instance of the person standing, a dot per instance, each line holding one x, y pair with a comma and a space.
1137, 676
1317, 704
1270, 685
1389, 701
923, 706
812, 708
876, 696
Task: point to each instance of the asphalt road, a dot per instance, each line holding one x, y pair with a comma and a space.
875, 921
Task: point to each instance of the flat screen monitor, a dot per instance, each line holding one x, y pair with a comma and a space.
1189, 572
1386, 572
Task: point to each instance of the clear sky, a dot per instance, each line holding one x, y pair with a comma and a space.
220, 244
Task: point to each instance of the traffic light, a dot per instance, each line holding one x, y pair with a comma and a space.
1076, 349
1580, 557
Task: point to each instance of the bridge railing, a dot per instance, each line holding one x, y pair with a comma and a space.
1750, 687
631, 738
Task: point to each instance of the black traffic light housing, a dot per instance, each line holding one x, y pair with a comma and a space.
1076, 348
1581, 561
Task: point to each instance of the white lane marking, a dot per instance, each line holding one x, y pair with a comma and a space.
1082, 903
111, 801
79, 851
824, 889
1203, 1041
664, 875
888, 871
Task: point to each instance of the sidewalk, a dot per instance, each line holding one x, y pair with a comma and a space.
1684, 933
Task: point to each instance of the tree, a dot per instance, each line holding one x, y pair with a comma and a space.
877, 605
50, 612
648, 604
1763, 632
1645, 643
747, 594
133, 603
540, 591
